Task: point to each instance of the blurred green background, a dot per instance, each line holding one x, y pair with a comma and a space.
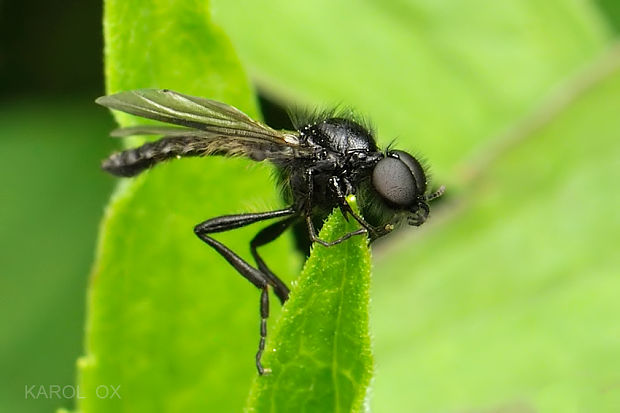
450, 338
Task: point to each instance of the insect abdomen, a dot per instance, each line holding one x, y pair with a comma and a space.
133, 161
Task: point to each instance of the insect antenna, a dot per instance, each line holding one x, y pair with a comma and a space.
439, 192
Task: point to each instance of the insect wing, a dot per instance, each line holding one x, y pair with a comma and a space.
155, 130
215, 118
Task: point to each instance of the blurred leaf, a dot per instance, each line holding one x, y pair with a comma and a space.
512, 301
321, 359
52, 202
169, 320
611, 10
442, 77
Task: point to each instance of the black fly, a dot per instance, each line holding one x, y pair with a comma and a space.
327, 159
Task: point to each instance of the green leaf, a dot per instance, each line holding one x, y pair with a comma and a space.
505, 300
169, 321
511, 302
171, 44
491, 309
320, 358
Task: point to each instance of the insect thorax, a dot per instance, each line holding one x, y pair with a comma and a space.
334, 141
339, 135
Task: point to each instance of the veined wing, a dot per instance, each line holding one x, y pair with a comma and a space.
215, 118
208, 128
155, 130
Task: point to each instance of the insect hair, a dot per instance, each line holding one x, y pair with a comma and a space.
303, 116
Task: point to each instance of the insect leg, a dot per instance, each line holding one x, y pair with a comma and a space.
315, 238
228, 222
310, 225
421, 216
264, 315
265, 236
374, 232
256, 277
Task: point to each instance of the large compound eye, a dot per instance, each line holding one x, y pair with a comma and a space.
415, 168
399, 179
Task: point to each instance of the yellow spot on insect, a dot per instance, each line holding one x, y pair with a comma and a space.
389, 227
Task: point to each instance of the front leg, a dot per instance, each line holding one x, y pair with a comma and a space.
314, 237
310, 225
375, 232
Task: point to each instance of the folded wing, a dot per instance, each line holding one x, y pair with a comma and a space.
207, 127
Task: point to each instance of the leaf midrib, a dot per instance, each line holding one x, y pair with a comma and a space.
337, 331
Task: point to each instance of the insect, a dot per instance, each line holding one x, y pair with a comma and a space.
325, 160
